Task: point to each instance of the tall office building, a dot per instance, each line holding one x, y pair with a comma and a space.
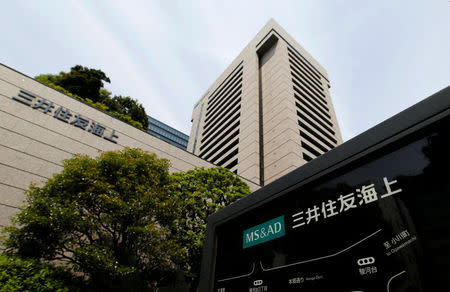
167, 133
268, 113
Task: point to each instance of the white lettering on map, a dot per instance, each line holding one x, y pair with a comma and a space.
364, 195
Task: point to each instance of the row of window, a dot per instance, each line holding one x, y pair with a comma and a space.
316, 127
220, 135
311, 70
170, 136
326, 124
155, 123
308, 85
226, 131
219, 92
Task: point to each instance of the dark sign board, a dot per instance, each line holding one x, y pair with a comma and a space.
371, 215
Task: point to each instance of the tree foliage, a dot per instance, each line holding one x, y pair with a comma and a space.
32, 276
121, 219
82, 81
128, 106
86, 85
199, 193
99, 216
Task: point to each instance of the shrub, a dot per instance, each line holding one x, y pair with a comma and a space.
18, 274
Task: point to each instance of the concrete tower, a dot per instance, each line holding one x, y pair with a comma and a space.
268, 113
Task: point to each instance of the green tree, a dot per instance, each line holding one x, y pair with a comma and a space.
30, 276
199, 193
128, 106
86, 85
82, 81
99, 217
47, 78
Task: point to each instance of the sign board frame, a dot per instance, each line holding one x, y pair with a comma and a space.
404, 124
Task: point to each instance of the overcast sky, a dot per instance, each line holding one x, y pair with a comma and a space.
381, 56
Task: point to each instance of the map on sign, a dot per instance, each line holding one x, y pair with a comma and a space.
362, 228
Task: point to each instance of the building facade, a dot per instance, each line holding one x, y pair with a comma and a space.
268, 113
167, 133
40, 127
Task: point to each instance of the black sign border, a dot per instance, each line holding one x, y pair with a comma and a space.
415, 118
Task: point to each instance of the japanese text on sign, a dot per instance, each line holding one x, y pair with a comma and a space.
365, 195
64, 115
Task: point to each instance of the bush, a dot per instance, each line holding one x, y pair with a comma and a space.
86, 85
99, 217
17, 274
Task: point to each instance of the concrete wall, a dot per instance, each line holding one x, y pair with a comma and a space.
33, 143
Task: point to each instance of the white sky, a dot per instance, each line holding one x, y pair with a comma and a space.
381, 56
